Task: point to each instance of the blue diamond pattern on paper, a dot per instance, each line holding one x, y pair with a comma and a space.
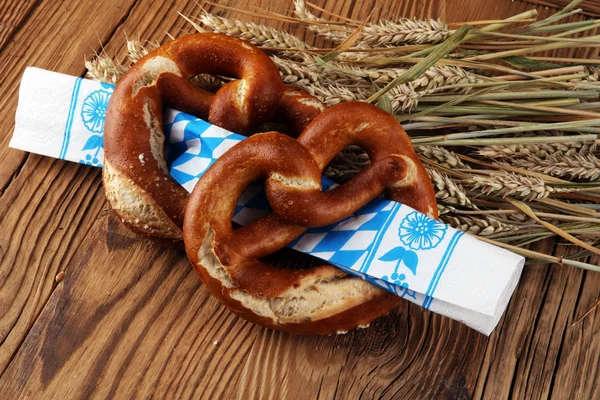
181, 177
375, 206
375, 223
193, 127
194, 145
333, 241
349, 257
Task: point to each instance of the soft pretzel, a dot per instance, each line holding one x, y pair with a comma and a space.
320, 300
136, 179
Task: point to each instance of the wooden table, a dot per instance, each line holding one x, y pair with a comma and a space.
132, 319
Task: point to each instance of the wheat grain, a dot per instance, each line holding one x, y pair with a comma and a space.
209, 82
295, 73
400, 32
447, 190
594, 74
515, 151
105, 69
259, 35
573, 166
331, 94
478, 226
137, 50
347, 163
441, 155
403, 97
504, 184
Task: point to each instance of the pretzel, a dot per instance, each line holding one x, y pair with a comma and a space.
135, 175
323, 299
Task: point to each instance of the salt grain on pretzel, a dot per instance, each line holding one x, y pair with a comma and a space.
320, 300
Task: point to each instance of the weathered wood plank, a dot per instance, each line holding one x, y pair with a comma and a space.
578, 368
524, 353
45, 214
26, 271
46, 206
132, 319
59, 46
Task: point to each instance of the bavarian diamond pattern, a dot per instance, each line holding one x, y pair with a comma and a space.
194, 145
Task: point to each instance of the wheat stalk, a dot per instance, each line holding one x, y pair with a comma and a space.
347, 74
404, 31
319, 25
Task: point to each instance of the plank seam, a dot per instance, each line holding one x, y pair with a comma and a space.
15, 174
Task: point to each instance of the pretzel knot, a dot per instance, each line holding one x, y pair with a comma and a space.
136, 180
321, 300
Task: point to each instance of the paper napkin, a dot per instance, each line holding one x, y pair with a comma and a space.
386, 243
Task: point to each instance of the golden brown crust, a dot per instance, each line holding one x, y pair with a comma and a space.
359, 316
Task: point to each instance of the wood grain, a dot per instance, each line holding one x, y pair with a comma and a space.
132, 320
13, 15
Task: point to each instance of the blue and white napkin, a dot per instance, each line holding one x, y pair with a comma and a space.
386, 243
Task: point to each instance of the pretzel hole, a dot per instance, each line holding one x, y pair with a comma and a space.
291, 259
347, 163
273, 127
209, 82
254, 205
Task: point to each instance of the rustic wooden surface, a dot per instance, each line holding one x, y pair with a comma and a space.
132, 320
